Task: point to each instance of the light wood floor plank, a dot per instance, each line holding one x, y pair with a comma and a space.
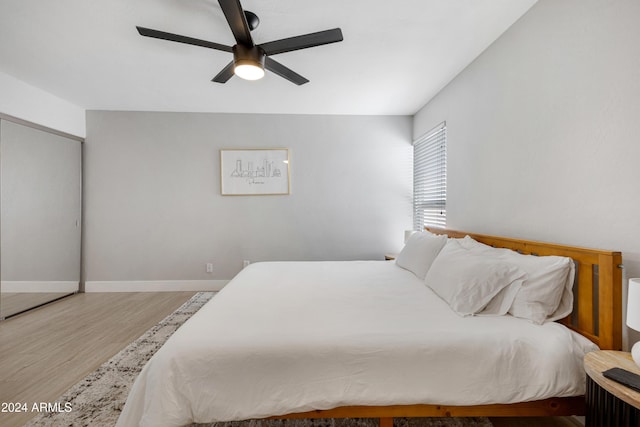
45, 351
12, 302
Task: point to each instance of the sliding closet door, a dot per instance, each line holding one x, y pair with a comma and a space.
40, 208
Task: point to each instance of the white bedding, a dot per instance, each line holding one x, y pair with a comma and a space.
288, 337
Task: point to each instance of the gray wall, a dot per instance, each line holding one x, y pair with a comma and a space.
153, 209
544, 129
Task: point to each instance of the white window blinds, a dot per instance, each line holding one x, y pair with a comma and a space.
430, 179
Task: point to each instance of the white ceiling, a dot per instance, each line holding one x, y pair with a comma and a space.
395, 56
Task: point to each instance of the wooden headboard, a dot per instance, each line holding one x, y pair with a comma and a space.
597, 289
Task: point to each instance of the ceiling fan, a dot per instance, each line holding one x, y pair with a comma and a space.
250, 59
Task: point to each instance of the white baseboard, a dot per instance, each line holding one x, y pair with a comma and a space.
40, 286
154, 286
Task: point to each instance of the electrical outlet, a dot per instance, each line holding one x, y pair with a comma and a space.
209, 267
245, 263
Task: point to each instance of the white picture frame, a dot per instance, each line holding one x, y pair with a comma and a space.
254, 172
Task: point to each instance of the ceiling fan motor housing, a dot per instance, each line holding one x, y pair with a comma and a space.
245, 55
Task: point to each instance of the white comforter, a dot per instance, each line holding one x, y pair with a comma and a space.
295, 336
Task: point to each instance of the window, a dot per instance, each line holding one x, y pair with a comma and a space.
430, 179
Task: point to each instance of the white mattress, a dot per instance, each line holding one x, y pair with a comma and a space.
295, 336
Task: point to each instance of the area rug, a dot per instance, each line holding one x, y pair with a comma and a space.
96, 401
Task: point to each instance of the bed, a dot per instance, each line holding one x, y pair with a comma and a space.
348, 339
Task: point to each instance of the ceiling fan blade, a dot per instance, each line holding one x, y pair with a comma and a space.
224, 75
237, 21
148, 32
282, 71
302, 42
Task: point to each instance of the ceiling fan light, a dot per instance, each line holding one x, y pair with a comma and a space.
248, 71
248, 62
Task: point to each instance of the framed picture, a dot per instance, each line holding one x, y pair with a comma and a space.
254, 171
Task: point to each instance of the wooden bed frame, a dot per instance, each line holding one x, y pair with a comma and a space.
597, 315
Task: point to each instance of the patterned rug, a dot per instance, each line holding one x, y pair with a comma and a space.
97, 400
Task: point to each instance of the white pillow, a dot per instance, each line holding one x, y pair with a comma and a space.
468, 280
419, 252
546, 294
501, 303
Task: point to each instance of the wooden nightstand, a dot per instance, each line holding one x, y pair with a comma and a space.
610, 404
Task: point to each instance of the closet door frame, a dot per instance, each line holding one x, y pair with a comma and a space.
81, 274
